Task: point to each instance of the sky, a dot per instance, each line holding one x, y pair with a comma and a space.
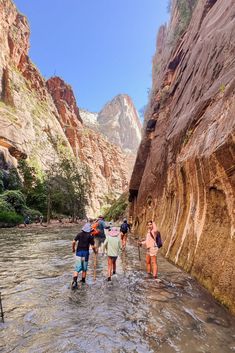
100, 47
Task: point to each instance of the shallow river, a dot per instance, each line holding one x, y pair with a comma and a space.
132, 314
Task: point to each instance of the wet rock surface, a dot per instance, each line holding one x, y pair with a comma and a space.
132, 314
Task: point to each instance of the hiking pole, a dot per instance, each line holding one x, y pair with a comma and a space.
2, 313
95, 264
139, 252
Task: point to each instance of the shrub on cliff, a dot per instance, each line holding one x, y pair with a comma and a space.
185, 9
5, 206
12, 180
1, 181
16, 199
117, 209
10, 219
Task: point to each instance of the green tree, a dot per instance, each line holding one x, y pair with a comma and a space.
67, 184
1, 181
13, 181
16, 199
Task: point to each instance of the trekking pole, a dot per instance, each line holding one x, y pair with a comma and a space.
139, 252
2, 313
95, 264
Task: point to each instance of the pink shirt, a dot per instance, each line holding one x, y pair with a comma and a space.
150, 241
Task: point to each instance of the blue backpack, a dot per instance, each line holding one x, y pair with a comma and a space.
124, 228
158, 239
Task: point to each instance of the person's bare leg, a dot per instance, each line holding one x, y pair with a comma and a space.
124, 241
75, 280
109, 267
84, 275
154, 265
114, 267
148, 264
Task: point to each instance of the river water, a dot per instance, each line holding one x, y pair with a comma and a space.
132, 314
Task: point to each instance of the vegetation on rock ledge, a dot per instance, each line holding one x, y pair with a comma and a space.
118, 209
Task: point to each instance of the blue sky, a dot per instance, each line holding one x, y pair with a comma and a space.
100, 47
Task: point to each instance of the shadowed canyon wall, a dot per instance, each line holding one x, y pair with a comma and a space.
184, 175
39, 117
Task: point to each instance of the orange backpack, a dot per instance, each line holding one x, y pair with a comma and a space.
95, 231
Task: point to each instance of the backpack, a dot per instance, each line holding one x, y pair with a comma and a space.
124, 228
94, 229
158, 239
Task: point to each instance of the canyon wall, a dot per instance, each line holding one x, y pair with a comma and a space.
184, 175
37, 117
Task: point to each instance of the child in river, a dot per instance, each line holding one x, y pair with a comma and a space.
113, 246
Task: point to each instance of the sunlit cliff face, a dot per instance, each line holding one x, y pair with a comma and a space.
184, 172
37, 118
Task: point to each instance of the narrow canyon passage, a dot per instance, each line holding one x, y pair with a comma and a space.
132, 314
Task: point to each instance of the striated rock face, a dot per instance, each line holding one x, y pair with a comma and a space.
39, 117
109, 178
27, 113
184, 176
120, 122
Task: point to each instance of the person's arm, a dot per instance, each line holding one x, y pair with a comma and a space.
119, 246
106, 243
92, 243
74, 243
141, 242
154, 229
94, 249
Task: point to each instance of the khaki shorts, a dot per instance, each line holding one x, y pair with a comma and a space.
152, 251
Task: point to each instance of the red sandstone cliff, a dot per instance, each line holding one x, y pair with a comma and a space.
184, 176
109, 175
34, 114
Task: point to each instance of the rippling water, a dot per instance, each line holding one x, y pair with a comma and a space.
132, 314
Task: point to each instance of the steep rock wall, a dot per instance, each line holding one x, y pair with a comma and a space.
184, 176
28, 116
109, 175
37, 117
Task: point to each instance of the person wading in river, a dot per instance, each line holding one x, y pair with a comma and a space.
124, 231
113, 246
152, 249
83, 239
100, 236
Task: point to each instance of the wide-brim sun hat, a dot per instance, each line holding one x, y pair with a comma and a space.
114, 232
87, 228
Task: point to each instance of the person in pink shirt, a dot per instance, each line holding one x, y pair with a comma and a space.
152, 249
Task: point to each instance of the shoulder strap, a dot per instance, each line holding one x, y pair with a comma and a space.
152, 236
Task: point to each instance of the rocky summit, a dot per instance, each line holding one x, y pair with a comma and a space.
184, 175
119, 121
39, 116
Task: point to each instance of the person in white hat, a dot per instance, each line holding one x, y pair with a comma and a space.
84, 240
113, 246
